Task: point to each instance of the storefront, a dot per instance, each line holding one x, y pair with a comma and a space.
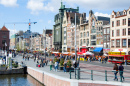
118, 57
83, 49
98, 51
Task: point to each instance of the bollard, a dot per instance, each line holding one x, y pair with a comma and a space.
91, 74
70, 74
105, 75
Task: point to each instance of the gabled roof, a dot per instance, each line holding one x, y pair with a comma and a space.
4, 28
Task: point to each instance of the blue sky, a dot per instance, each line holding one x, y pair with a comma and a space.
43, 11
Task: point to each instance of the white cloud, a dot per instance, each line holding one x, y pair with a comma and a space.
101, 14
49, 21
12, 32
39, 5
9, 3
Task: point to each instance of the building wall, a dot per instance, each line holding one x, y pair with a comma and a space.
4, 35
114, 19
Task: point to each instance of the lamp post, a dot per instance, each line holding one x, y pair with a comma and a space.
75, 41
45, 43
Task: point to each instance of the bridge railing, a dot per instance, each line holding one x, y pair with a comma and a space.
122, 76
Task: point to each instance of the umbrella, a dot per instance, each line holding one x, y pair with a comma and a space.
88, 53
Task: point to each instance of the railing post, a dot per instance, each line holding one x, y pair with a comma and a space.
105, 75
91, 74
70, 74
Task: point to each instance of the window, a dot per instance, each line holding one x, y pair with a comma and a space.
105, 31
118, 22
124, 32
128, 21
112, 16
93, 37
112, 33
112, 43
118, 43
118, 33
112, 23
87, 34
128, 31
105, 37
108, 31
108, 37
84, 28
129, 12
99, 28
87, 42
4, 37
93, 42
124, 21
3, 41
128, 42
80, 34
123, 42
81, 42
84, 34
84, 41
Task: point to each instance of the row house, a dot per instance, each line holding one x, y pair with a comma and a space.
120, 31
57, 28
68, 30
96, 24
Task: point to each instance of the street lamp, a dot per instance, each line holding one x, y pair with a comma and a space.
45, 43
75, 41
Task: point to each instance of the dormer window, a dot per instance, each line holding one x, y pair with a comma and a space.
129, 12
112, 16
124, 13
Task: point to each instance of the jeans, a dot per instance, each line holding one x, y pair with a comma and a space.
121, 75
56, 67
115, 73
64, 69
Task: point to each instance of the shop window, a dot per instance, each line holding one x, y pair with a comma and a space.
3, 41
118, 43
123, 42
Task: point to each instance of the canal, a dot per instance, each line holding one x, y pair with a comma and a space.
18, 80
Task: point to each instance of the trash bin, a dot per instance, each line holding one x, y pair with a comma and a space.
78, 72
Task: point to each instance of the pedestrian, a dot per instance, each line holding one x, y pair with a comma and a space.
121, 68
23, 56
28, 57
51, 64
34, 59
65, 64
56, 65
115, 68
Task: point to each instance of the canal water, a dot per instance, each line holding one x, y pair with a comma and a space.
18, 80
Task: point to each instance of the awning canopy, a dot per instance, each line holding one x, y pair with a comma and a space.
97, 49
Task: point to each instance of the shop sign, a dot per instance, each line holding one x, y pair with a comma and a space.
116, 53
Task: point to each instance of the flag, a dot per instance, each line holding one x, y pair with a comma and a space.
5, 44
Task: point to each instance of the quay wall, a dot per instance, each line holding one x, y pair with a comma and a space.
13, 71
49, 79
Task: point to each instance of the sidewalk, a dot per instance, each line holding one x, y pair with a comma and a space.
85, 74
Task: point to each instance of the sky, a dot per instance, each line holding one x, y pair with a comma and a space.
43, 11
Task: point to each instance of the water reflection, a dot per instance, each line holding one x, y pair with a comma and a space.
18, 80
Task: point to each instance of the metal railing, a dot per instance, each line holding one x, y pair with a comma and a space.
100, 75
